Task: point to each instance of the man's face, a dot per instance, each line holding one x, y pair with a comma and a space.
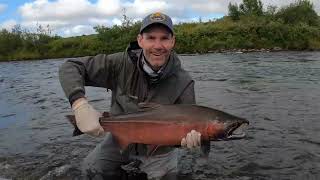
157, 44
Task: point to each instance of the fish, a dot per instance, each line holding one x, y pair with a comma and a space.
166, 125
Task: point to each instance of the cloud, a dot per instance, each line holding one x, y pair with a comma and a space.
2, 7
8, 25
202, 7
140, 8
78, 30
116, 21
107, 7
77, 16
64, 10
73, 14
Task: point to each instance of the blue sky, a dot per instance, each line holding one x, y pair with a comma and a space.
9, 9
77, 17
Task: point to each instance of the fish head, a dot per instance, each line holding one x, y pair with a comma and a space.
227, 127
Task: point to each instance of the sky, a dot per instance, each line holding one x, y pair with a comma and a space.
78, 17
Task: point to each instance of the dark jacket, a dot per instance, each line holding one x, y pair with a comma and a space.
123, 75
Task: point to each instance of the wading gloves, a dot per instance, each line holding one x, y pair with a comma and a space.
193, 139
87, 118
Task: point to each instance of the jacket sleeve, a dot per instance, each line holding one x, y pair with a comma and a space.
188, 95
98, 71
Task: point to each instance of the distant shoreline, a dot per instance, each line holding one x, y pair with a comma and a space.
221, 51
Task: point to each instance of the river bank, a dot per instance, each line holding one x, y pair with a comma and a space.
249, 34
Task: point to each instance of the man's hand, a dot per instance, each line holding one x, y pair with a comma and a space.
87, 118
193, 139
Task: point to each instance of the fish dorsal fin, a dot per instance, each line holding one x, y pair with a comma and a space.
144, 106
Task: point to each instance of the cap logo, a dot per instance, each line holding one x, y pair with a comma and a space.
157, 17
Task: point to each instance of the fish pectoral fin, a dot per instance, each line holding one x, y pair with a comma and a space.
146, 106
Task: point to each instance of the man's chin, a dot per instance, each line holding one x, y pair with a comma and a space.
158, 63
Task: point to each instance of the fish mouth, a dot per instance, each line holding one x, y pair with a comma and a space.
237, 131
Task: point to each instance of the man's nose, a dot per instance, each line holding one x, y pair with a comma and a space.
158, 44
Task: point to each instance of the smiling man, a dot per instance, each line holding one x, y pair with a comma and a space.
157, 40
148, 71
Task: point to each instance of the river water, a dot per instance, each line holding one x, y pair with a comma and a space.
278, 92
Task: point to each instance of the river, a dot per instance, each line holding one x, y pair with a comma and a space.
278, 92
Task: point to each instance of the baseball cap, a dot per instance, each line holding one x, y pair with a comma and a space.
157, 17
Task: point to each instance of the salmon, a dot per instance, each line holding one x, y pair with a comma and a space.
155, 124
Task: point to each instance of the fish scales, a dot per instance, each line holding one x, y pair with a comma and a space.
156, 124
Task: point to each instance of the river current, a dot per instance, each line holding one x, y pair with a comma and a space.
278, 92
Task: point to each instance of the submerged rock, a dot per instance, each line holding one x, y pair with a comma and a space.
62, 172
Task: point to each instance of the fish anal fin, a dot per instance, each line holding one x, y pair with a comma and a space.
122, 143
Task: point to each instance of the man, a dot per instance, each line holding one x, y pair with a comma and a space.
148, 71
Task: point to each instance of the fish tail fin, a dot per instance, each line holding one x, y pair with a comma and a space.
72, 120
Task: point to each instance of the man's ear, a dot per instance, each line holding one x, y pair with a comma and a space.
139, 39
174, 41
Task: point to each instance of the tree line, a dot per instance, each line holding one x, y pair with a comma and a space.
248, 25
